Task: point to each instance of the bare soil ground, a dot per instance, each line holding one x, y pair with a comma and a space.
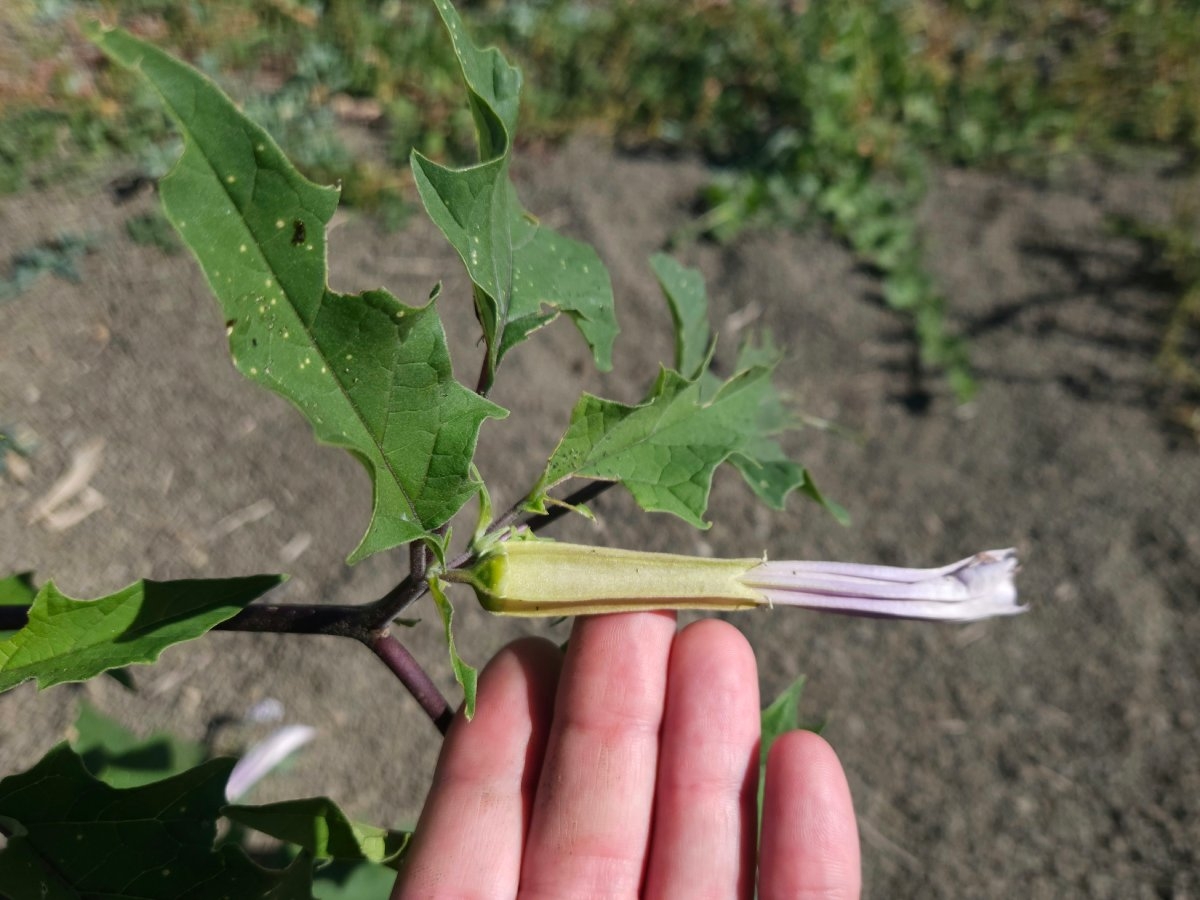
1048, 756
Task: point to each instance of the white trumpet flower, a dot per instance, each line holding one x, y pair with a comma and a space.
546, 578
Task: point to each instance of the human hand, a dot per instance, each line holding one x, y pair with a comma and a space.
629, 768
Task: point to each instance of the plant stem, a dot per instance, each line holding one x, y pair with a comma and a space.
394, 602
418, 560
397, 658
368, 623
299, 618
352, 622
487, 375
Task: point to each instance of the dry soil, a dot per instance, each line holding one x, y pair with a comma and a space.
1047, 756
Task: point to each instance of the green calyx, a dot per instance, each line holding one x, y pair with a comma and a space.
547, 578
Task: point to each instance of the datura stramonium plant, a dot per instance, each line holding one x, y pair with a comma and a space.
546, 578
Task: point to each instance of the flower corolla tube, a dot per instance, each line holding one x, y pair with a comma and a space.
547, 578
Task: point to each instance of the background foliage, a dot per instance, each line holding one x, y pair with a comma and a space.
820, 111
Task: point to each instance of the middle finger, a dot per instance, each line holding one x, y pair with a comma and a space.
592, 812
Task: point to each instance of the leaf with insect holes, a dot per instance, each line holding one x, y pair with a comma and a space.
317, 825
72, 836
665, 449
524, 274
74, 640
370, 374
555, 273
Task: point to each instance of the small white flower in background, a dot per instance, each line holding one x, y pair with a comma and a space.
266, 710
264, 757
978, 587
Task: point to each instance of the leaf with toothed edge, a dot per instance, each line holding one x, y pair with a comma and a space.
371, 375
74, 640
663, 450
317, 825
666, 449
684, 291
524, 274
762, 463
555, 273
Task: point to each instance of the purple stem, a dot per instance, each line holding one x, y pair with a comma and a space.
397, 658
367, 623
299, 618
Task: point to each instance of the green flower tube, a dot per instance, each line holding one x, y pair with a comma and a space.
547, 578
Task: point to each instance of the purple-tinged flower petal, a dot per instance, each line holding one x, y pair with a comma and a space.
264, 756
978, 587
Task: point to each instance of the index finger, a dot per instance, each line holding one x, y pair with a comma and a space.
469, 839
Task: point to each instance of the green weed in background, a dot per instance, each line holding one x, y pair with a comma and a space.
833, 110
153, 230
819, 112
59, 257
1175, 247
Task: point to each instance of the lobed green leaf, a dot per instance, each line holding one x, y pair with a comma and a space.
556, 273
74, 640
353, 881
471, 208
119, 758
762, 462
666, 449
688, 301
72, 836
524, 274
370, 374
318, 826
